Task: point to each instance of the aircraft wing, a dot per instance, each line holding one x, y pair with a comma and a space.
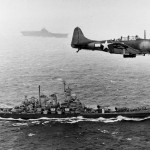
128, 49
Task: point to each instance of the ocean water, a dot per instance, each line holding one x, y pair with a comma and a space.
96, 77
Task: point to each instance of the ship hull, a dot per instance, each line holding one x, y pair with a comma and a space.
84, 115
35, 116
115, 114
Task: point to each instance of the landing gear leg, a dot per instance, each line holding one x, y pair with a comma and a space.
78, 50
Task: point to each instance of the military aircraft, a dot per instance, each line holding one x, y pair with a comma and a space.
129, 46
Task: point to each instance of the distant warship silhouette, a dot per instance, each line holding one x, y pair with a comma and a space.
44, 33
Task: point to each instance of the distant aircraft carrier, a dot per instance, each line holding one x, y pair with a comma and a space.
44, 33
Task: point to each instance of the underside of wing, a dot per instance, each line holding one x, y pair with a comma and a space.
126, 48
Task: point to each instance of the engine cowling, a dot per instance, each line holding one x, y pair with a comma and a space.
129, 55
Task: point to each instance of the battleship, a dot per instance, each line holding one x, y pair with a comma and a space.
49, 107
44, 33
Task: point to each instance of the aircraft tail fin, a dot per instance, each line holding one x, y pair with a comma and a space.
78, 38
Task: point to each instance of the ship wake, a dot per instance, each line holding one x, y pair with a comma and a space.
73, 120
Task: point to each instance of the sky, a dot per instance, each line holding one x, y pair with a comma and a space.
98, 19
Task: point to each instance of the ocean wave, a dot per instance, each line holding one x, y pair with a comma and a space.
112, 81
11, 119
58, 79
31, 134
19, 124
72, 120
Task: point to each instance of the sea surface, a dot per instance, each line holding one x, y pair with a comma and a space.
96, 77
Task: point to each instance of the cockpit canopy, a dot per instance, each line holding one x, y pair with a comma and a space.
128, 38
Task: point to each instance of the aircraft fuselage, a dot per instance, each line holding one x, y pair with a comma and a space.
142, 45
128, 46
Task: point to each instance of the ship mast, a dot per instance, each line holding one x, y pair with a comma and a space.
40, 95
144, 34
64, 86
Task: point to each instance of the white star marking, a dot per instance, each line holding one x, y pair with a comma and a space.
105, 45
